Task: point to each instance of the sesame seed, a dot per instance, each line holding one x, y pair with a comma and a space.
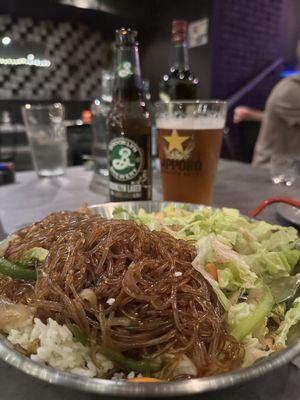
178, 273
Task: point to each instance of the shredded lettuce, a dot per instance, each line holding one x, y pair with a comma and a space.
275, 264
278, 313
226, 258
233, 271
226, 279
281, 239
292, 317
246, 236
245, 254
253, 351
36, 253
239, 312
250, 316
204, 248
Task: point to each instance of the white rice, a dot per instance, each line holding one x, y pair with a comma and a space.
58, 348
117, 376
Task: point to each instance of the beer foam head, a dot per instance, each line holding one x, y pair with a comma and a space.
201, 122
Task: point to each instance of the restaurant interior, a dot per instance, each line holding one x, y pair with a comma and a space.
249, 48
149, 199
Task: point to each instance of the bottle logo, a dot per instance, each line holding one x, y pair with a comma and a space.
125, 69
178, 154
126, 159
178, 147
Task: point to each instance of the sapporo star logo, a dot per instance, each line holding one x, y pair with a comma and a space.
174, 149
175, 141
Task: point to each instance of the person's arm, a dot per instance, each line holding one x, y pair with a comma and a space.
286, 101
242, 113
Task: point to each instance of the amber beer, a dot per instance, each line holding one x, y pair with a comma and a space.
189, 150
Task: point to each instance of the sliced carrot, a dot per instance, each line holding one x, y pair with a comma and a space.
144, 379
212, 269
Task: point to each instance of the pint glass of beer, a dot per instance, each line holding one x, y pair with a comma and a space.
189, 135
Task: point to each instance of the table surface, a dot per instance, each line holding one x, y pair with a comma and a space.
237, 185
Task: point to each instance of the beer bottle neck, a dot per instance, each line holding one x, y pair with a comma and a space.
128, 81
180, 56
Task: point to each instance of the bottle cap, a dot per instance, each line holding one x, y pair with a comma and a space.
179, 30
126, 36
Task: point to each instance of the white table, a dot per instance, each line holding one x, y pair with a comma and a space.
237, 185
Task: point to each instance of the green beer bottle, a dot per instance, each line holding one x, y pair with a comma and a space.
128, 126
179, 83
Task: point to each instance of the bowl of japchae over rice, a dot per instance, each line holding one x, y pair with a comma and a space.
141, 293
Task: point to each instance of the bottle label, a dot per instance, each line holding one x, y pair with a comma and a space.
126, 159
122, 187
125, 69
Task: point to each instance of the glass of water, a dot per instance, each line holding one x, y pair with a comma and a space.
46, 133
284, 168
100, 109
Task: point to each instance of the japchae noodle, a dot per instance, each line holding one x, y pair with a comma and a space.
127, 288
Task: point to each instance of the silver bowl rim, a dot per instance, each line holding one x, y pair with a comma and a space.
144, 390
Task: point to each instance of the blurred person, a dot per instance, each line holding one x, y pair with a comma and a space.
280, 129
248, 131
244, 113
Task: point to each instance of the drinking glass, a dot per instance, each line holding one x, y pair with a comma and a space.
100, 109
189, 144
46, 134
284, 168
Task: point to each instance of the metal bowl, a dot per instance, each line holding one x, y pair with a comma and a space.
144, 390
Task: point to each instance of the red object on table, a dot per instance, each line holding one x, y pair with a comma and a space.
271, 200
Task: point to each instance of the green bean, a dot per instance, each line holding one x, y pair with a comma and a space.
129, 364
17, 271
78, 334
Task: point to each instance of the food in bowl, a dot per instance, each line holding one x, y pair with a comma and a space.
172, 295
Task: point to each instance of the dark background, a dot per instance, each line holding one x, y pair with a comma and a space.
245, 37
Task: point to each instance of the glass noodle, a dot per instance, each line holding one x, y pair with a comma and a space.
126, 288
